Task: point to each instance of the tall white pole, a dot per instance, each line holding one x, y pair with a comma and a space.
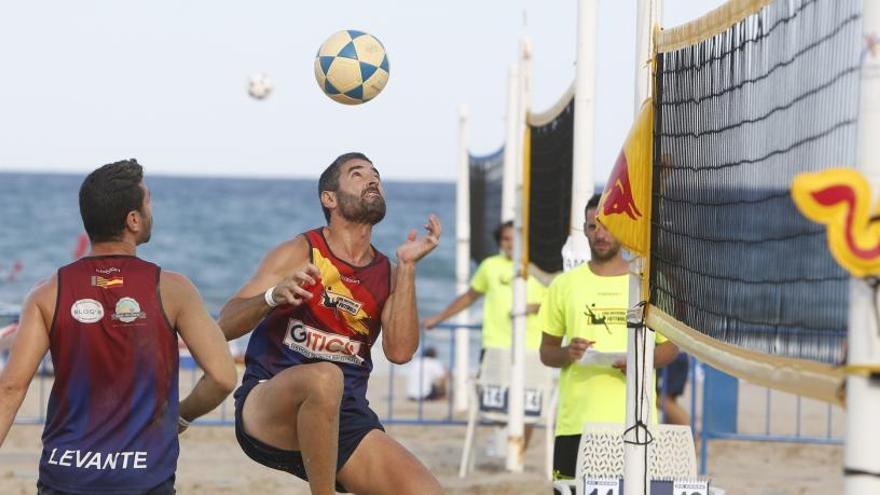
462, 262
640, 345
583, 180
862, 451
508, 184
516, 395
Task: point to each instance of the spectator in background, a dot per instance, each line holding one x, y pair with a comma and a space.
670, 386
426, 377
493, 280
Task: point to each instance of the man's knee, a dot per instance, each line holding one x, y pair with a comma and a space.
325, 382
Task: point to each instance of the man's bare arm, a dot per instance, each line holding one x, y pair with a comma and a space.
31, 344
458, 304
204, 340
287, 269
665, 353
400, 321
555, 355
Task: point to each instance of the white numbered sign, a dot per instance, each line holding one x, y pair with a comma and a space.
602, 486
493, 398
533, 402
693, 487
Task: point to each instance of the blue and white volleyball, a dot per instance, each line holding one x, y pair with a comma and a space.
351, 67
259, 86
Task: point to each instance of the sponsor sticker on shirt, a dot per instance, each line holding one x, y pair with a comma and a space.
335, 300
128, 310
87, 311
318, 344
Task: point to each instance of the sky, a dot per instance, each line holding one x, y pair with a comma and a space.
164, 81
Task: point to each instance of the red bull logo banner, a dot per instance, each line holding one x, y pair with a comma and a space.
840, 198
626, 201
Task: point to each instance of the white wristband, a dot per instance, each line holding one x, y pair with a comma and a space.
184, 424
268, 297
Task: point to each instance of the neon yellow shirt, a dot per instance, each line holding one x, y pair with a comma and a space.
493, 279
577, 304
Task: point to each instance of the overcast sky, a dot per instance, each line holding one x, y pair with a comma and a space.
87, 82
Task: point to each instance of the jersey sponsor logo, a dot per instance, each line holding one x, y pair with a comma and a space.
349, 280
98, 460
318, 344
334, 300
107, 283
128, 310
87, 311
605, 316
107, 271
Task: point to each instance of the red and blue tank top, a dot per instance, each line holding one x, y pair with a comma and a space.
339, 323
111, 424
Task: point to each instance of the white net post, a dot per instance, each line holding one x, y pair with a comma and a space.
462, 262
508, 184
862, 452
516, 394
575, 250
640, 345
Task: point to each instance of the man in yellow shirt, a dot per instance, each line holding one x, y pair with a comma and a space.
493, 279
587, 305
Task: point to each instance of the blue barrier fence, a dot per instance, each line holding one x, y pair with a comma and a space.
730, 409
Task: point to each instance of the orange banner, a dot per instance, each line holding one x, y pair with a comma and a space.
625, 206
840, 198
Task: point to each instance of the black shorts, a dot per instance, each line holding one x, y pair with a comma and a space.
565, 452
165, 488
675, 376
355, 421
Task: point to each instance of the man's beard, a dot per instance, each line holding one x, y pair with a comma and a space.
610, 253
147, 232
361, 210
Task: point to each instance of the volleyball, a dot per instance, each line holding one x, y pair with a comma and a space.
351, 67
259, 86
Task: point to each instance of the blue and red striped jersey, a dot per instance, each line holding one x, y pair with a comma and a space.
111, 424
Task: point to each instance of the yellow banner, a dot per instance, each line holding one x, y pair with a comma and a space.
840, 198
625, 206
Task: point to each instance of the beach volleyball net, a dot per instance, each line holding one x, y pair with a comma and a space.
486, 178
746, 98
548, 161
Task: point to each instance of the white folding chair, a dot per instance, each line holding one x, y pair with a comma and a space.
600, 455
488, 404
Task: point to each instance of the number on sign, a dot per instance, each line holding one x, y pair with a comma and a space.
533, 402
493, 397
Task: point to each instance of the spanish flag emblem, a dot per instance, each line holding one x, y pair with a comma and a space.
107, 283
626, 201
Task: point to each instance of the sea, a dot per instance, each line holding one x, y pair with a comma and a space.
213, 230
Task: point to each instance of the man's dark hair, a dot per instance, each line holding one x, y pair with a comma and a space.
592, 203
499, 229
329, 180
430, 352
106, 197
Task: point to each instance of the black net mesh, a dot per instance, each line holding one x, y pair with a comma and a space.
737, 117
487, 172
552, 147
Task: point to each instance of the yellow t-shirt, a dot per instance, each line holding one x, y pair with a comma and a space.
582, 304
493, 280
